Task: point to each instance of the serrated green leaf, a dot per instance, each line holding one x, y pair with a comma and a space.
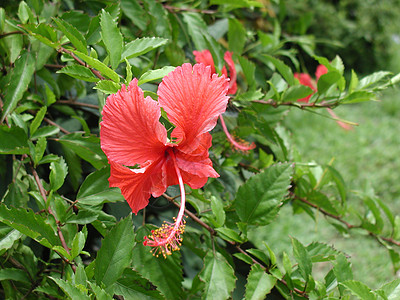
99, 292
20, 78
342, 271
229, 234
283, 69
50, 96
86, 147
115, 253
358, 96
353, 82
95, 189
378, 223
77, 244
14, 274
372, 79
108, 87
24, 12
135, 13
391, 289
70, 289
302, 257
155, 74
133, 286
30, 224
327, 80
73, 34
13, 140
79, 72
45, 131
236, 36
141, 46
95, 63
112, 38
165, 274
218, 276
257, 201
217, 208
196, 28
320, 252
296, 92
8, 238
40, 148
259, 283
44, 33
359, 289
58, 172
233, 4
38, 119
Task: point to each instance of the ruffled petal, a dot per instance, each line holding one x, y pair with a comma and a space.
205, 57
130, 131
193, 99
135, 184
232, 73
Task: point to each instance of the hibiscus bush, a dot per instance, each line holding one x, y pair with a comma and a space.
143, 154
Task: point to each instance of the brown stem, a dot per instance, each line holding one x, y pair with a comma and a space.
296, 104
174, 8
55, 124
59, 232
78, 60
71, 102
3, 35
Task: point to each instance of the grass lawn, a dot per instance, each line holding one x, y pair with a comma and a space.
367, 156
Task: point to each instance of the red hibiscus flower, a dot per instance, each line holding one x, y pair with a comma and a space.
145, 159
206, 58
306, 80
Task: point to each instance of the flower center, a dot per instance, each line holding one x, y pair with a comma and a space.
168, 237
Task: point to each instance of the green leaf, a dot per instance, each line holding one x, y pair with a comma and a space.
296, 92
217, 208
165, 274
45, 131
233, 4
342, 271
30, 224
79, 72
20, 78
115, 253
358, 96
141, 46
372, 79
24, 12
58, 172
50, 96
249, 69
99, 292
8, 239
95, 189
257, 201
13, 140
359, 289
108, 87
218, 276
303, 258
378, 223
155, 74
70, 289
135, 13
133, 286
391, 289
196, 28
14, 274
327, 80
283, 69
86, 147
353, 82
259, 283
236, 36
38, 119
73, 34
77, 244
229, 234
112, 38
40, 148
44, 33
320, 252
95, 63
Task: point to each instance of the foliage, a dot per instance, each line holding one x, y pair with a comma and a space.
65, 233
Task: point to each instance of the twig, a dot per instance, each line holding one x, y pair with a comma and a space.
297, 104
3, 35
78, 60
55, 124
70, 102
174, 8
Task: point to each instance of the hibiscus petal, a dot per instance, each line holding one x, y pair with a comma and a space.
205, 57
193, 99
135, 184
321, 70
130, 131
